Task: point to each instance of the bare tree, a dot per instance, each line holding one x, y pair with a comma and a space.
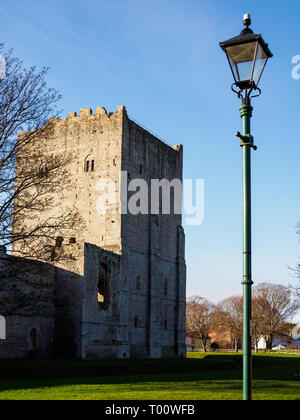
30, 182
199, 315
276, 308
27, 182
258, 304
228, 320
26, 288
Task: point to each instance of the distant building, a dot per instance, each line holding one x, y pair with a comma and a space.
283, 341
193, 344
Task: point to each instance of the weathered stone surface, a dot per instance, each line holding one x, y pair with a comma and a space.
124, 293
28, 289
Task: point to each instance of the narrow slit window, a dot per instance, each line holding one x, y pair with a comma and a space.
93, 166
87, 166
166, 288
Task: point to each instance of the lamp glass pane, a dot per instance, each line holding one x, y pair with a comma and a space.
233, 68
241, 58
260, 63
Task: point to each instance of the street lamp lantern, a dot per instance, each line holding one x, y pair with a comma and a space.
247, 55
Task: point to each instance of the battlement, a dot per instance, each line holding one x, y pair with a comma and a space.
88, 112
178, 148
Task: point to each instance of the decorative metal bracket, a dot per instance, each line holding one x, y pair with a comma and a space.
246, 140
246, 94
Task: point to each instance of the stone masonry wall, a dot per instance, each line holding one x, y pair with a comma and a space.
27, 291
141, 310
153, 251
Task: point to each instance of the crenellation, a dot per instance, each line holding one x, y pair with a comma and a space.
178, 148
85, 112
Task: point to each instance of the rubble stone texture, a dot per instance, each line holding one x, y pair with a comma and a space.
123, 293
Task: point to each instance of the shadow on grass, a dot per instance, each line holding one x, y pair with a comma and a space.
24, 374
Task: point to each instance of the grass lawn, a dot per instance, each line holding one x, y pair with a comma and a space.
201, 377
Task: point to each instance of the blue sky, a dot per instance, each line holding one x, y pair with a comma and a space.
162, 60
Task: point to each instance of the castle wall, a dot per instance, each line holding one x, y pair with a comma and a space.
143, 312
86, 139
93, 138
105, 324
68, 313
152, 251
27, 303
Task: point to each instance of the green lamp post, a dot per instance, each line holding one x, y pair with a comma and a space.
247, 56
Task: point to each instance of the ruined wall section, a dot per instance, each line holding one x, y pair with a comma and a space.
27, 290
105, 323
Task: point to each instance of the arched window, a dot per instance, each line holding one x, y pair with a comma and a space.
104, 287
89, 164
138, 283
166, 288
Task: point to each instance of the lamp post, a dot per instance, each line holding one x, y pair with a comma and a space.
247, 55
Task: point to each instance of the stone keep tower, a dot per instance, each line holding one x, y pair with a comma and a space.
124, 294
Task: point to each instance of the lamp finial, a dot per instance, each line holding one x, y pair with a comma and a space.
247, 22
247, 19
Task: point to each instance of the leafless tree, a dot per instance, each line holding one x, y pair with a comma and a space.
198, 319
27, 181
228, 320
26, 289
258, 305
29, 186
276, 309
